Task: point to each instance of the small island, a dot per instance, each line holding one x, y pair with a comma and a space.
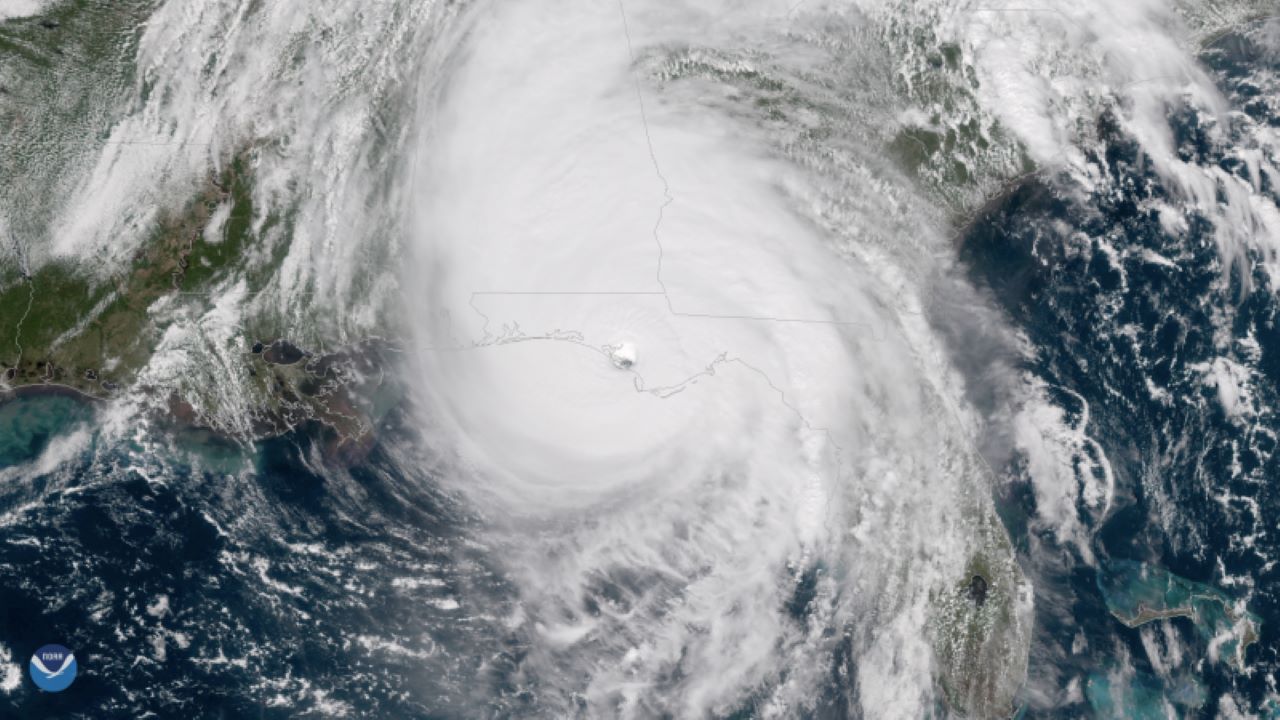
1138, 593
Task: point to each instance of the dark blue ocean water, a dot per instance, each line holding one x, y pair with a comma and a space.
190, 584
186, 590
1130, 336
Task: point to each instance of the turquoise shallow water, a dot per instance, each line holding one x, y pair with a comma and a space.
1142, 696
27, 424
1138, 593
211, 579
1126, 339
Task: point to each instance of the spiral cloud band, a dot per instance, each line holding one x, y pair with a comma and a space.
646, 348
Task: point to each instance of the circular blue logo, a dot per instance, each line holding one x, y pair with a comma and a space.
53, 667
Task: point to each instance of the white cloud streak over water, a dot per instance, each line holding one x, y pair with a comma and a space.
790, 409
1050, 68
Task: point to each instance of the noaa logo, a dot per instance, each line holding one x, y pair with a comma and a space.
53, 667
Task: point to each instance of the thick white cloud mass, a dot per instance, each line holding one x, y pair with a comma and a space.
782, 413
664, 292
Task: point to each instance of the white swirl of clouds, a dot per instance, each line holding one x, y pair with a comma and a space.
781, 409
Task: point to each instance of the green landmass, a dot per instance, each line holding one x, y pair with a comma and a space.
63, 77
955, 150
60, 324
979, 639
344, 391
66, 75
1138, 593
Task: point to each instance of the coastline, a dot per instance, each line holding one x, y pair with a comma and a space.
10, 394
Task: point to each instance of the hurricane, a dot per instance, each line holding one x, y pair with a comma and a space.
774, 417
623, 358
